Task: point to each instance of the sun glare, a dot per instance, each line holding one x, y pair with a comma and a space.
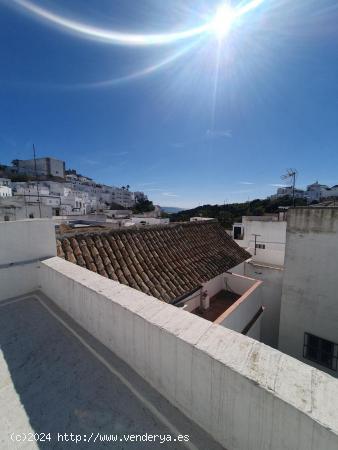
223, 20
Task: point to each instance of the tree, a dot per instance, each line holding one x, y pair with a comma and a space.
143, 206
228, 214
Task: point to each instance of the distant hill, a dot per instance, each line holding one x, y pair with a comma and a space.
171, 209
228, 214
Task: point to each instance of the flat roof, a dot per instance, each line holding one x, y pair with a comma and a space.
56, 378
219, 303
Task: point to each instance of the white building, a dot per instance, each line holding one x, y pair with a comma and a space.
105, 195
330, 192
309, 310
288, 191
5, 191
200, 219
64, 199
5, 187
316, 191
77, 194
41, 166
263, 236
135, 220
140, 196
5, 182
123, 197
16, 208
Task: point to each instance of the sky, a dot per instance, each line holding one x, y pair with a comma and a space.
194, 102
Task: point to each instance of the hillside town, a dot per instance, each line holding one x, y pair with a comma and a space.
43, 188
314, 192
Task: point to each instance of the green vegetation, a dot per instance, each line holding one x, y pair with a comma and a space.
19, 177
143, 206
116, 206
228, 214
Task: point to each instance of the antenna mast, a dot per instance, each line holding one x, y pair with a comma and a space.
291, 174
37, 180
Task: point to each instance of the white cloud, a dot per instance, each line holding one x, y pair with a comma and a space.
279, 185
92, 162
177, 144
148, 183
119, 153
248, 183
210, 134
242, 191
169, 194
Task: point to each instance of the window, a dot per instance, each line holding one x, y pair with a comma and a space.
31, 216
238, 233
6, 218
321, 351
262, 246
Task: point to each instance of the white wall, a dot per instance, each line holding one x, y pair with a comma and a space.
5, 191
148, 221
243, 310
22, 243
57, 167
214, 285
271, 294
245, 394
272, 234
309, 298
193, 301
18, 280
238, 316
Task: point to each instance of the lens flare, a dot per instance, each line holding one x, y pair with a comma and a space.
219, 25
104, 35
223, 20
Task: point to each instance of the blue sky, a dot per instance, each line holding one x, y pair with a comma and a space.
193, 121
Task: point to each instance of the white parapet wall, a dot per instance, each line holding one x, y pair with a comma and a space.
245, 394
309, 295
22, 244
238, 316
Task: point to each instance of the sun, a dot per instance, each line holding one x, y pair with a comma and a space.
223, 20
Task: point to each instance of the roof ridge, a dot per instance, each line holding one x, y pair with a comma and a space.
166, 261
136, 229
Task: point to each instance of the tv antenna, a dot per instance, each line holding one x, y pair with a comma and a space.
291, 174
37, 180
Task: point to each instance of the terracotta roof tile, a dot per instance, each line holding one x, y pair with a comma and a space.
166, 262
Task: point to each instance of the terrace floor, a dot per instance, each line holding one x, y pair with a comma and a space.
56, 378
219, 303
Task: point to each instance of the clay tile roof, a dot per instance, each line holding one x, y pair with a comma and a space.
165, 262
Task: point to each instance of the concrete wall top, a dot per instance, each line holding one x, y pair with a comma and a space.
260, 382
25, 240
309, 294
313, 220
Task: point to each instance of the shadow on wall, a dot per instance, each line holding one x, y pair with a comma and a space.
63, 388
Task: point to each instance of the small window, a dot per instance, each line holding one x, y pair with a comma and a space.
238, 233
321, 351
262, 246
6, 218
31, 216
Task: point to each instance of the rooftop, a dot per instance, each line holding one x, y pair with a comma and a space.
166, 262
219, 303
55, 377
60, 372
